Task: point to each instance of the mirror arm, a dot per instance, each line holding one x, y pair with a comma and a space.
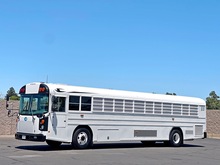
46, 115
7, 99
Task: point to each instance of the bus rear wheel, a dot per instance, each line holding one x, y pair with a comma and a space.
53, 144
176, 138
82, 139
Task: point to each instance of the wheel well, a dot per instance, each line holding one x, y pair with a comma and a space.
177, 128
84, 126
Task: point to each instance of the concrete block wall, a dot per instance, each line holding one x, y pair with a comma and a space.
8, 124
213, 123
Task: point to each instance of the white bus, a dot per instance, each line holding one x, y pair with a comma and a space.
58, 114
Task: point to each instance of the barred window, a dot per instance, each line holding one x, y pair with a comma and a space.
129, 106
118, 105
149, 107
139, 106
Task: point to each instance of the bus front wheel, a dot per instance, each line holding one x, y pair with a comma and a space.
82, 139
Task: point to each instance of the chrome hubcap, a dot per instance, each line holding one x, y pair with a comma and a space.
176, 138
82, 138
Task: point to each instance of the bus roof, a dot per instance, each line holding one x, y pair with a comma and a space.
121, 94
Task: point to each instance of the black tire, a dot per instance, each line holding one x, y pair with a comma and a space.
82, 139
176, 138
53, 144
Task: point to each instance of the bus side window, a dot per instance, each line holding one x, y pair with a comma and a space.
77, 103
58, 104
54, 104
74, 103
61, 104
86, 104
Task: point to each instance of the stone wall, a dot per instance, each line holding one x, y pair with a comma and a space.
213, 123
8, 124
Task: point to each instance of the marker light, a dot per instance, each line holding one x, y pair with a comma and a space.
43, 89
42, 121
22, 90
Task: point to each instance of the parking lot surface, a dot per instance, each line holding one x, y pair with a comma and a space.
202, 152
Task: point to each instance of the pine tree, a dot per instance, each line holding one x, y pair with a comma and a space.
12, 94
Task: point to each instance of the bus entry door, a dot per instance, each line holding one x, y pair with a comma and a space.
58, 117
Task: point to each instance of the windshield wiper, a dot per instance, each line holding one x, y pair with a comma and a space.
25, 108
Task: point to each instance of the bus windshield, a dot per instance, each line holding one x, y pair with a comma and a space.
33, 104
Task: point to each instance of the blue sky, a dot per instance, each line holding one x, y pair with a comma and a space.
139, 45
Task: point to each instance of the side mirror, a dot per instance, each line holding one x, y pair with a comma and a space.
9, 112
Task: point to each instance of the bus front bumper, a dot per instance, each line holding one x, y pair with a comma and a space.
30, 137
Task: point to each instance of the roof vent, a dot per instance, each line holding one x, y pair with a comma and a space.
59, 90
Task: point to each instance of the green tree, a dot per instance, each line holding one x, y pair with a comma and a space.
213, 102
12, 94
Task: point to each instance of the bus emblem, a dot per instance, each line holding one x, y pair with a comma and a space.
25, 119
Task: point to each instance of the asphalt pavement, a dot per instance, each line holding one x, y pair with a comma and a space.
202, 152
